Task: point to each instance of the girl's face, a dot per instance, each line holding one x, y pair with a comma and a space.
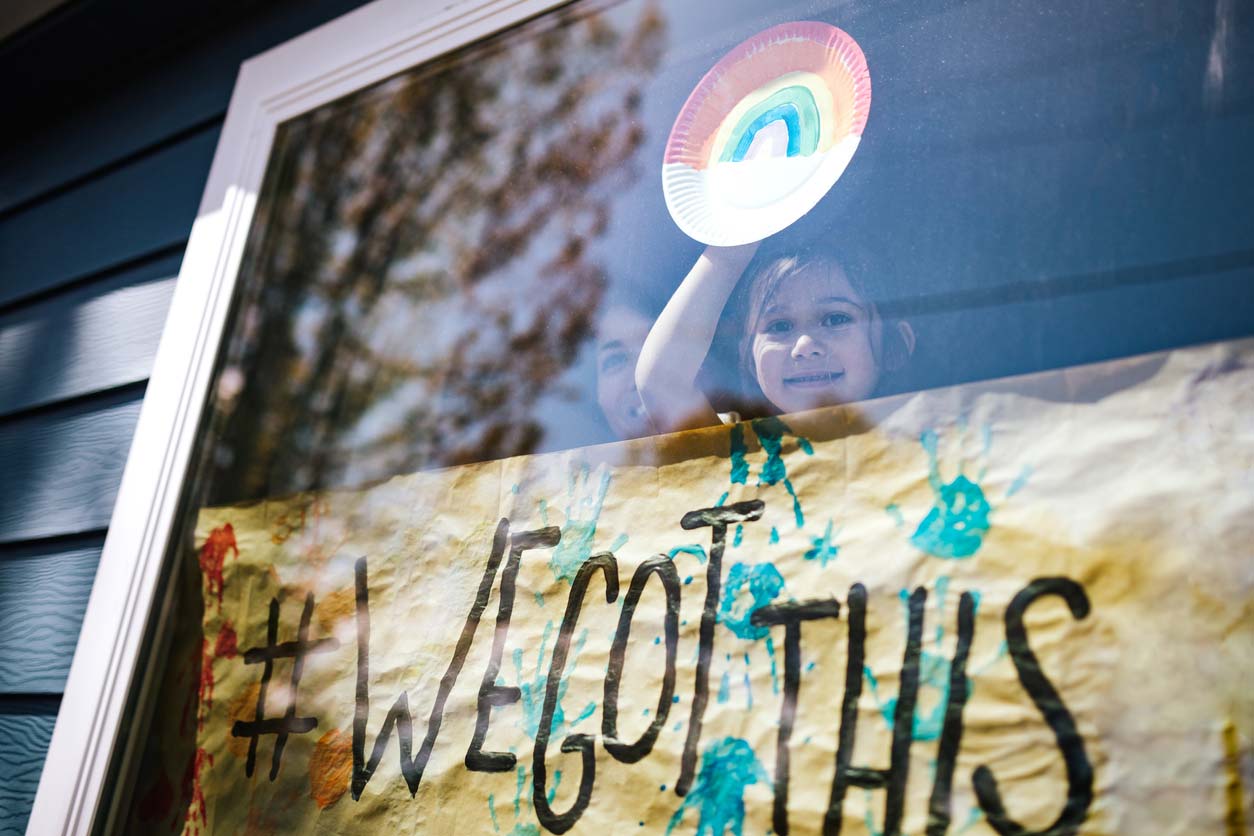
816, 342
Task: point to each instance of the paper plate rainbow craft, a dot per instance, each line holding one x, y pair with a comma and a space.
767, 131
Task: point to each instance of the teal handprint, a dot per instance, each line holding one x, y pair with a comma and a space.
531, 690
934, 670
955, 527
531, 687
958, 521
585, 496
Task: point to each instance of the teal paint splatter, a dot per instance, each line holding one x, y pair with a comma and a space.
774, 471
770, 432
696, 551
796, 505
809, 667
894, 511
728, 768
1020, 481
585, 714
496, 825
583, 508
724, 688
761, 584
739, 536
770, 654
958, 521
539, 598
619, 542
722, 499
974, 816
739, 463
774, 535
557, 782
823, 549
871, 829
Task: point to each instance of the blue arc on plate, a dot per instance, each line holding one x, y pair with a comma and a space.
795, 107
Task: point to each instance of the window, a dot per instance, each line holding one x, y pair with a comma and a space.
424, 416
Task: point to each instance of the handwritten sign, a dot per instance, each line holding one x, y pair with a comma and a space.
1020, 607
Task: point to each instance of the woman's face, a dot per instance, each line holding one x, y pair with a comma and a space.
619, 338
815, 343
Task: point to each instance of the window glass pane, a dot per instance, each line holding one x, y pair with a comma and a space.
461, 265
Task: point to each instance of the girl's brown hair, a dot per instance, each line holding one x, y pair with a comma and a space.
764, 277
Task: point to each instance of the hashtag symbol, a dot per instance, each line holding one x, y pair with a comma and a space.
288, 723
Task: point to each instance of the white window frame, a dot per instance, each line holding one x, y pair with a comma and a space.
361, 48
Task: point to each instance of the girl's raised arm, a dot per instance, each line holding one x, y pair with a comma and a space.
666, 373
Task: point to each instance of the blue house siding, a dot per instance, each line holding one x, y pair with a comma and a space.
110, 130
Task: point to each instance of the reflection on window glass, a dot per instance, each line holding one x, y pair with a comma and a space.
423, 279
475, 260
458, 264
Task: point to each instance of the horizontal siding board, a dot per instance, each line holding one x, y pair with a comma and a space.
43, 594
91, 338
62, 467
23, 744
134, 211
86, 142
189, 88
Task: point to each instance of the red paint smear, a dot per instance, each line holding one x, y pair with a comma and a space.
213, 557
156, 804
191, 787
227, 646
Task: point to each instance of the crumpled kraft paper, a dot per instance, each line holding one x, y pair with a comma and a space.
1027, 602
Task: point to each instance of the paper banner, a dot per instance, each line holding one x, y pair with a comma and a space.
1014, 607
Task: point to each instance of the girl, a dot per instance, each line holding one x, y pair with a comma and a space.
812, 336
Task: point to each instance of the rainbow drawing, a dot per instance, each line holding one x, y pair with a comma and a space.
765, 134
